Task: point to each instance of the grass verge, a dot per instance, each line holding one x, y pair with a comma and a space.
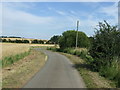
91, 79
17, 74
13, 58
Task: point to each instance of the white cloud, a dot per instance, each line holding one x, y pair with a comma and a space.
28, 24
72, 12
110, 10
50, 8
60, 0
24, 17
60, 12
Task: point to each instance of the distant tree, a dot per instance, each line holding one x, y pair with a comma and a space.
0, 40
3, 36
13, 37
4, 40
11, 41
54, 39
18, 41
68, 39
35, 41
48, 42
25, 41
41, 42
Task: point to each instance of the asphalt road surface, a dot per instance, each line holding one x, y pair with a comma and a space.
58, 72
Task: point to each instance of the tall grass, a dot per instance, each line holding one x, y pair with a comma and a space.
10, 49
110, 71
12, 59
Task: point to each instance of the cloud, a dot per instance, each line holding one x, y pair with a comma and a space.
72, 12
60, 12
110, 10
49, 8
21, 23
60, 0
18, 5
17, 21
24, 17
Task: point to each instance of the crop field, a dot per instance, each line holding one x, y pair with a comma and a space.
8, 49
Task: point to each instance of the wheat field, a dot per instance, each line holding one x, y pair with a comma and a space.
8, 49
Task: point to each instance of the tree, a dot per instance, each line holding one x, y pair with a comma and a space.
105, 44
35, 41
41, 42
18, 41
68, 39
4, 40
54, 39
25, 41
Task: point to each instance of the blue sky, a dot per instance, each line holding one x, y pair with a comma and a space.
45, 19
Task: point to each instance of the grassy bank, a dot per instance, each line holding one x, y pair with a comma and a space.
17, 74
82, 60
13, 58
91, 79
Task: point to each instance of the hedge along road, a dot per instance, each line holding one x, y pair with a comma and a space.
58, 72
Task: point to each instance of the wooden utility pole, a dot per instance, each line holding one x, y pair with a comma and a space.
77, 34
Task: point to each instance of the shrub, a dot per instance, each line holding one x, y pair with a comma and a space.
89, 59
68, 39
106, 43
117, 78
54, 39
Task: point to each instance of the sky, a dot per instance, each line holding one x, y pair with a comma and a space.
42, 20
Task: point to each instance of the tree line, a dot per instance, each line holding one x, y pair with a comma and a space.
22, 41
9, 37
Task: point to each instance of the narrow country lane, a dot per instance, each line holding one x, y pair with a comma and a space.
58, 72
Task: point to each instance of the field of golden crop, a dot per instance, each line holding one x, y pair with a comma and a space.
8, 49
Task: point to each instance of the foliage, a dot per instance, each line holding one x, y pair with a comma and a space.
106, 44
54, 40
68, 39
4, 40
38, 41
22, 41
105, 50
25, 41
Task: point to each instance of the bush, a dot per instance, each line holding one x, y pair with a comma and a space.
78, 53
53, 49
117, 78
68, 39
54, 39
106, 43
89, 59
107, 71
